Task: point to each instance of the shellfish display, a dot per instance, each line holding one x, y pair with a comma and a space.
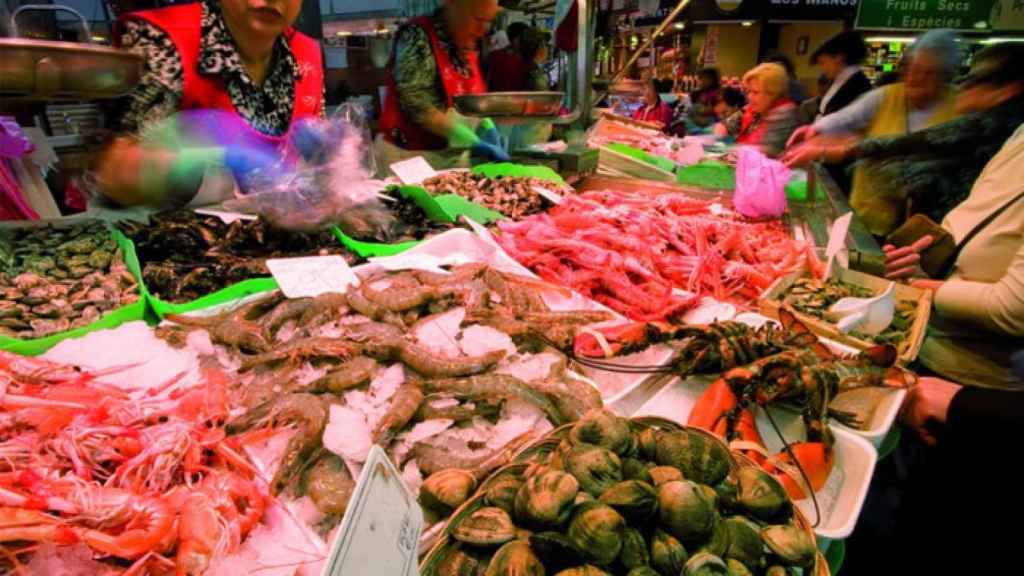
691, 523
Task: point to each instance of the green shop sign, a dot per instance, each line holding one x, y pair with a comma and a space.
928, 14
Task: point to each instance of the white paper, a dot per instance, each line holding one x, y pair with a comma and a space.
549, 195
837, 241
382, 526
312, 275
225, 216
413, 170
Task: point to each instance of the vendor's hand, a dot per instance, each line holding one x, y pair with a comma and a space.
902, 263
800, 134
927, 404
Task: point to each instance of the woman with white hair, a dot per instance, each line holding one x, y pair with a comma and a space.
770, 116
923, 99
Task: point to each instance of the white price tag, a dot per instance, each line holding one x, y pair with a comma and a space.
837, 241
413, 170
225, 216
381, 529
549, 195
312, 275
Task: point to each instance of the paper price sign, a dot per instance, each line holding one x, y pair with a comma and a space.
312, 275
381, 529
413, 170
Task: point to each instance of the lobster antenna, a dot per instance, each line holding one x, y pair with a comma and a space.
608, 366
807, 481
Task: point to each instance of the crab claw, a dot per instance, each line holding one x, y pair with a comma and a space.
608, 341
816, 460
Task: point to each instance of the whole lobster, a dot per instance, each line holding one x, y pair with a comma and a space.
808, 377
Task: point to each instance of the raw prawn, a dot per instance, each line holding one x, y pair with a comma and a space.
404, 404
496, 386
429, 364
307, 411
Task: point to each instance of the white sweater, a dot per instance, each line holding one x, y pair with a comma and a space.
978, 319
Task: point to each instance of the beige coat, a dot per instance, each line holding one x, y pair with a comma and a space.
978, 320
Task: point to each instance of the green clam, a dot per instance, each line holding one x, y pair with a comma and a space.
633, 469
556, 551
685, 510
668, 555
488, 526
502, 492
761, 495
446, 490
602, 427
699, 457
597, 469
637, 501
745, 543
790, 544
634, 553
515, 559
596, 529
705, 564
546, 499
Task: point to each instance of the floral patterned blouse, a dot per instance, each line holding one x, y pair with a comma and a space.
266, 107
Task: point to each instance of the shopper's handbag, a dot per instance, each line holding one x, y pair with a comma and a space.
937, 260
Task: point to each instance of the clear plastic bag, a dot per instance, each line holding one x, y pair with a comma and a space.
330, 186
760, 185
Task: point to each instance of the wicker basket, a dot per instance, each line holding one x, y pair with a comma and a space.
544, 446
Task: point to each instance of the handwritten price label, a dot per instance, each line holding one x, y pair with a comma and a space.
413, 170
312, 275
381, 529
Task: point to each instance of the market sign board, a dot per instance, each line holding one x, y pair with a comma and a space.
930, 14
785, 10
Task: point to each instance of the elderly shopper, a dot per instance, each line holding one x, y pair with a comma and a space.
924, 99
770, 116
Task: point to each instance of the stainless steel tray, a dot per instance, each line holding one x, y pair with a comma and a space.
537, 104
51, 70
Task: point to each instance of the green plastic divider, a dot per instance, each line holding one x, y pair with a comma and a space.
229, 294
638, 154
112, 319
496, 169
796, 191
709, 174
835, 555
455, 206
428, 203
371, 249
890, 442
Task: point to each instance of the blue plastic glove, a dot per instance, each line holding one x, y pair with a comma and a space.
491, 152
489, 133
317, 139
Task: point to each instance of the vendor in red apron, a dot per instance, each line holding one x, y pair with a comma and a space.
436, 58
226, 88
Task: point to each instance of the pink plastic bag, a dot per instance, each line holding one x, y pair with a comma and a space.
760, 185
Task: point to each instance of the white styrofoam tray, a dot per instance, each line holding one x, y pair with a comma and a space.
842, 497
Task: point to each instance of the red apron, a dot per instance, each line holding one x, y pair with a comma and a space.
752, 128
398, 128
209, 92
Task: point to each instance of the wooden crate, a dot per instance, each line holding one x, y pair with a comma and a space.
771, 301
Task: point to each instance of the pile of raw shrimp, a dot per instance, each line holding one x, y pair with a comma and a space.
653, 257
119, 481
